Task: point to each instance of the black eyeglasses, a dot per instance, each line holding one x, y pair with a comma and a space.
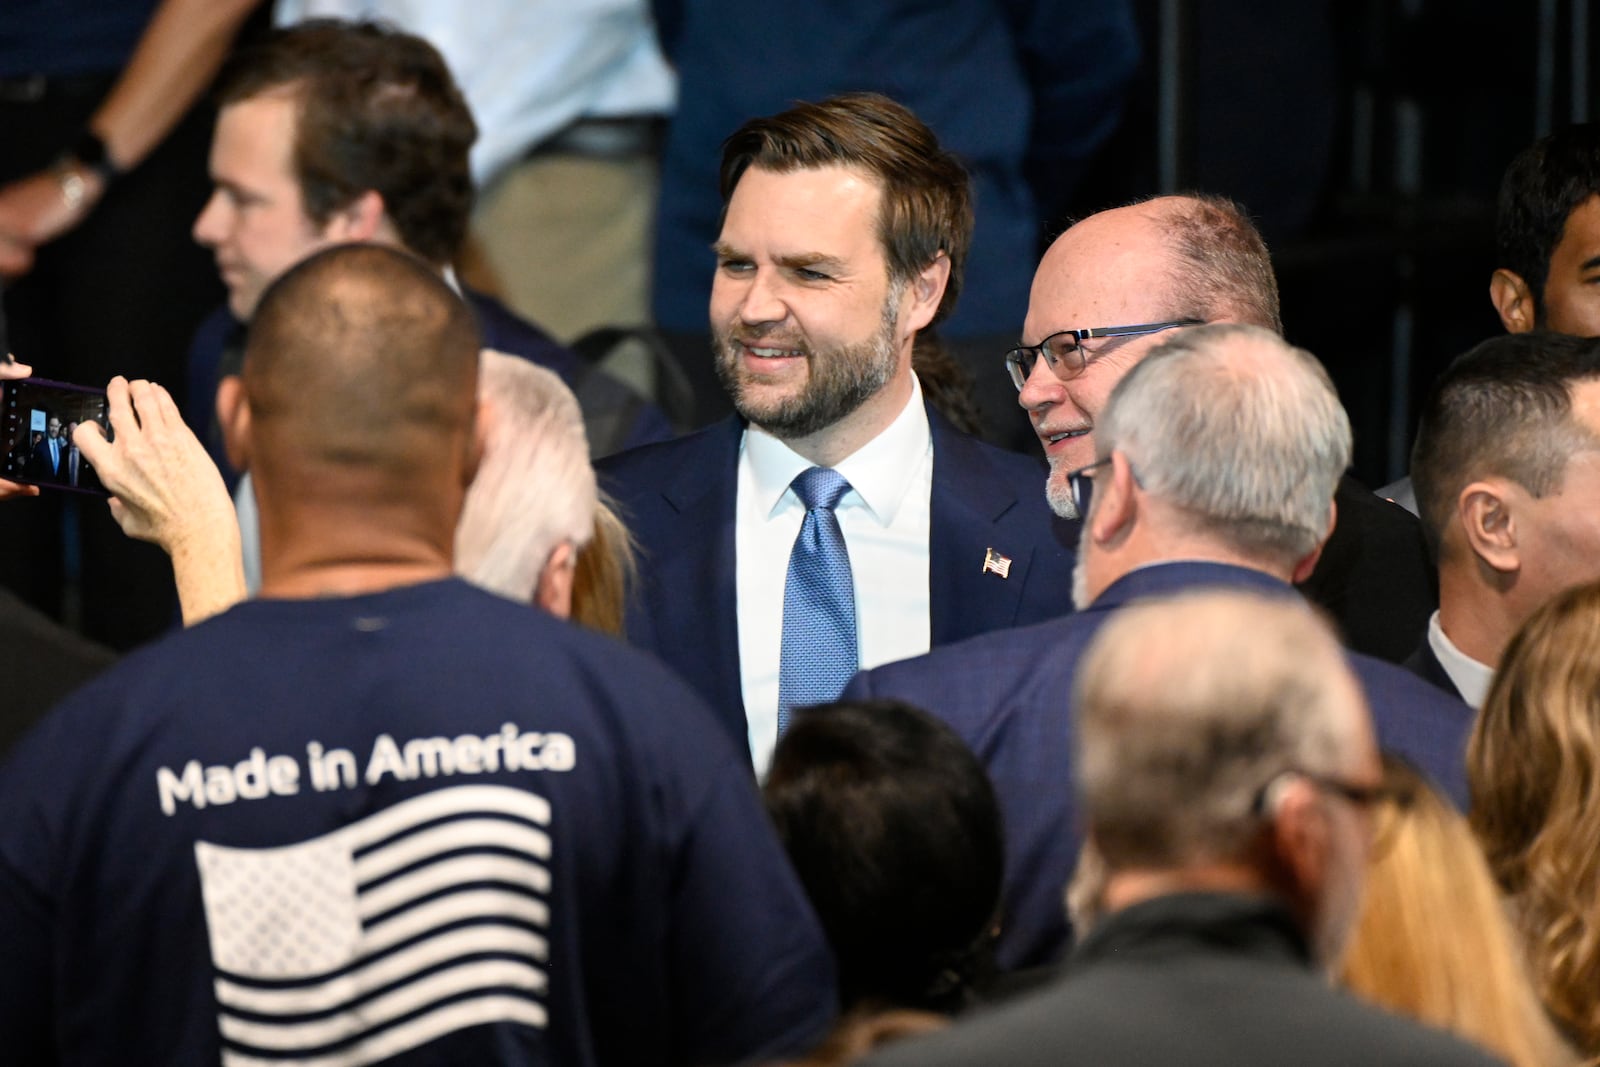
1080, 483
1064, 351
1386, 801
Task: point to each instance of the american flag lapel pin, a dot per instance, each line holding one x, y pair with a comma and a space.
995, 563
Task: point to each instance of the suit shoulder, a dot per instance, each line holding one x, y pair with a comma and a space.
623, 473
505, 331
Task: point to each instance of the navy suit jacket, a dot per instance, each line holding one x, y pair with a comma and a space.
1007, 696
1425, 665
678, 498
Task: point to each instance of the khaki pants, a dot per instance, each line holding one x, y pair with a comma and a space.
564, 240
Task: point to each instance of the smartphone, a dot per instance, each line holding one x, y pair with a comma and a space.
39, 417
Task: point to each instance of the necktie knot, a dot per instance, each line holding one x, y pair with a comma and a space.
820, 487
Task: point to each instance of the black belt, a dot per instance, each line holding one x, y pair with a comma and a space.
616, 138
32, 88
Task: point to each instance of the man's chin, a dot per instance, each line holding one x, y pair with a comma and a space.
1058, 494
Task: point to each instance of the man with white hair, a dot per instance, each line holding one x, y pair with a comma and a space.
1227, 768
1217, 459
532, 504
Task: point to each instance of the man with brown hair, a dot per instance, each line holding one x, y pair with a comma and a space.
838, 521
376, 814
331, 132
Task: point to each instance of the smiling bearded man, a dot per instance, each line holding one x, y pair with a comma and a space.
838, 522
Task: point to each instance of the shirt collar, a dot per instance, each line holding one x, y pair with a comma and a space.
1471, 678
876, 471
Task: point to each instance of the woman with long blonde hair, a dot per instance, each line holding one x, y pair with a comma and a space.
1433, 941
1534, 769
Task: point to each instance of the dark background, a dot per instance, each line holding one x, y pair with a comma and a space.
1367, 139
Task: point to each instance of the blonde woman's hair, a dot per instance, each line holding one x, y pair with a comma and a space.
1534, 769
607, 569
1434, 942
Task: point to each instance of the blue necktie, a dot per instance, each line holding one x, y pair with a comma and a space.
819, 601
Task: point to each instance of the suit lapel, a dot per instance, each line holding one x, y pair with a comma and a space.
969, 500
699, 627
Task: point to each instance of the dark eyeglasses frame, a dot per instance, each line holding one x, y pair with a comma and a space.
1079, 483
1395, 797
1020, 360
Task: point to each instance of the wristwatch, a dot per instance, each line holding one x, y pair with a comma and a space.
88, 152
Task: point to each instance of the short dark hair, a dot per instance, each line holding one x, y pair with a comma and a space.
1503, 409
365, 359
377, 109
1546, 183
894, 829
926, 196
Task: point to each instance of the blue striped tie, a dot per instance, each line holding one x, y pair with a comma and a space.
819, 601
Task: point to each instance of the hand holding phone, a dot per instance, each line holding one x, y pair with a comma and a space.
37, 417
11, 370
166, 490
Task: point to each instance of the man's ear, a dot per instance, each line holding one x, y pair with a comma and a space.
1301, 841
1114, 504
233, 417
1486, 513
553, 593
924, 294
1303, 569
362, 219
482, 425
1514, 301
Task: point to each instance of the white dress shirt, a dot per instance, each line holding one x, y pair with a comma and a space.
1471, 678
885, 521
528, 67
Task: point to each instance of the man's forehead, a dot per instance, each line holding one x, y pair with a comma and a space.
810, 210
1116, 267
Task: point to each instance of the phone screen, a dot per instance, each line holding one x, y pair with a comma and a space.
40, 416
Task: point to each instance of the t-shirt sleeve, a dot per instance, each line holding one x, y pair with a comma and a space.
752, 975
27, 913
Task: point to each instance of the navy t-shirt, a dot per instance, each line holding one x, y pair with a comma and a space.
420, 826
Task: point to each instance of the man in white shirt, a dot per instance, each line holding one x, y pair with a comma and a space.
1507, 473
843, 238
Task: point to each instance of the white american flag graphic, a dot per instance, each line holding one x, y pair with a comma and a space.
358, 945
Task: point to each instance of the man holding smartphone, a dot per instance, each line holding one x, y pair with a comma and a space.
377, 809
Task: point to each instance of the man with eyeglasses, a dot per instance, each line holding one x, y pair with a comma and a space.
1119, 283
1233, 879
1218, 456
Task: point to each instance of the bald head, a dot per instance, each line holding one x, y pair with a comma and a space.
360, 359
1166, 260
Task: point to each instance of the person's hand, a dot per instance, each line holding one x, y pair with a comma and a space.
166, 490
10, 370
16, 256
36, 210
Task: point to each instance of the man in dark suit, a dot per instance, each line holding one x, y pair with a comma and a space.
844, 236
1109, 290
1232, 788
49, 462
1219, 454
1507, 473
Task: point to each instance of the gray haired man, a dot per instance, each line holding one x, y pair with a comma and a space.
1216, 461
1229, 774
